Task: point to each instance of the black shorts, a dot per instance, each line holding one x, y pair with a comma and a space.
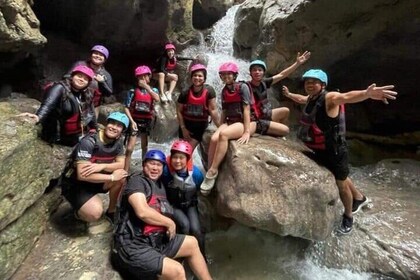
144, 126
79, 192
262, 126
142, 258
196, 129
337, 161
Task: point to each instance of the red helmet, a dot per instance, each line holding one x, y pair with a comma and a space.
142, 70
83, 69
183, 147
229, 67
170, 46
197, 67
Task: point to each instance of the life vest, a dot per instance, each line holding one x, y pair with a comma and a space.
261, 106
232, 103
127, 222
141, 106
97, 97
310, 133
196, 107
170, 64
182, 192
102, 153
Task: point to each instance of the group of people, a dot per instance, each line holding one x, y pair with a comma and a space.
155, 210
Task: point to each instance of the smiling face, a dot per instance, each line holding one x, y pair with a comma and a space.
170, 53
198, 78
79, 80
179, 161
227, 77
113, 129
313, 86
257, 73
153, 169
97, 58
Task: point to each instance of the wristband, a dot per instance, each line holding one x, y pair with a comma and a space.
112, 177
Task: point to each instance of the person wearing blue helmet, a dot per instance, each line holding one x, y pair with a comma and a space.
145, 240
323, 130
270, 121
102, 82
97, 166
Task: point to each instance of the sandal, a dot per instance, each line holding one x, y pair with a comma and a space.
208, 184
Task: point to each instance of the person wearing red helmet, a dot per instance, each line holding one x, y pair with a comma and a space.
323, 130
139, 105
67, 112
270, 121
101, 84
237, 122
165, 71
194, 107
182, 182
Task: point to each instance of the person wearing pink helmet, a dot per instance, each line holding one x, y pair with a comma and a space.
139, 105
270, 121
237, 122
102, 82
323, 130
165, 71
182, 182
195, 105
67, 111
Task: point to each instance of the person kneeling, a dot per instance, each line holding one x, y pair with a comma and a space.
145, 239
98, 168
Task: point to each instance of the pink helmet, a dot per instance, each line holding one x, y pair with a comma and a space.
182, 146
142, 70
229, 67
101, 49
170, 46
83, 69
197, 67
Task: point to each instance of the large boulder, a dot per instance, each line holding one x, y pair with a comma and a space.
356, 42
269, 184
27, 167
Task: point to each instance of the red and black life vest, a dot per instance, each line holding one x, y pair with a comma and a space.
196, 107
310, 133
232, 103
261, 106
170, 64
141, 106
104, 153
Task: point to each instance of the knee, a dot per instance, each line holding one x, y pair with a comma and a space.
92, 213
174, 270
175, 78
223, 136
214, 138
161, 75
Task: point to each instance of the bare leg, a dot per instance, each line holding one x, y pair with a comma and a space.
355, 192
344, 188
280, 115
144, 144
92, 210
172, 84
213, 143
160, 77
129, 152
114, 189
172, 270
277, 129
190, 250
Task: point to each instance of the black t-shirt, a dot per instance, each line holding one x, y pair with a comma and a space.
183, 97
259, 90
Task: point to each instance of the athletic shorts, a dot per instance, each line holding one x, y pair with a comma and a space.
336, 162
262, 126
142, 258
196, 129
144, 126
79, 192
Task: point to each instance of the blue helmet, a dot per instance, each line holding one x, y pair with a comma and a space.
119, 117
259, 63
155, 155
316, 74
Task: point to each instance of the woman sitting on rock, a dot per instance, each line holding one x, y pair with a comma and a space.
67, 111
236, 119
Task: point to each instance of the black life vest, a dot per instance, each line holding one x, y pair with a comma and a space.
141, 106
261, 107
128, 224
170, 64
232, 103
310, 133
105, 153
181, 192
196, 107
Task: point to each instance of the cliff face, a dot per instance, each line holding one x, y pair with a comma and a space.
357, 43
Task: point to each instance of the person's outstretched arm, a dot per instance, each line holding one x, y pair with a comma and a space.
300, 59
298, 98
